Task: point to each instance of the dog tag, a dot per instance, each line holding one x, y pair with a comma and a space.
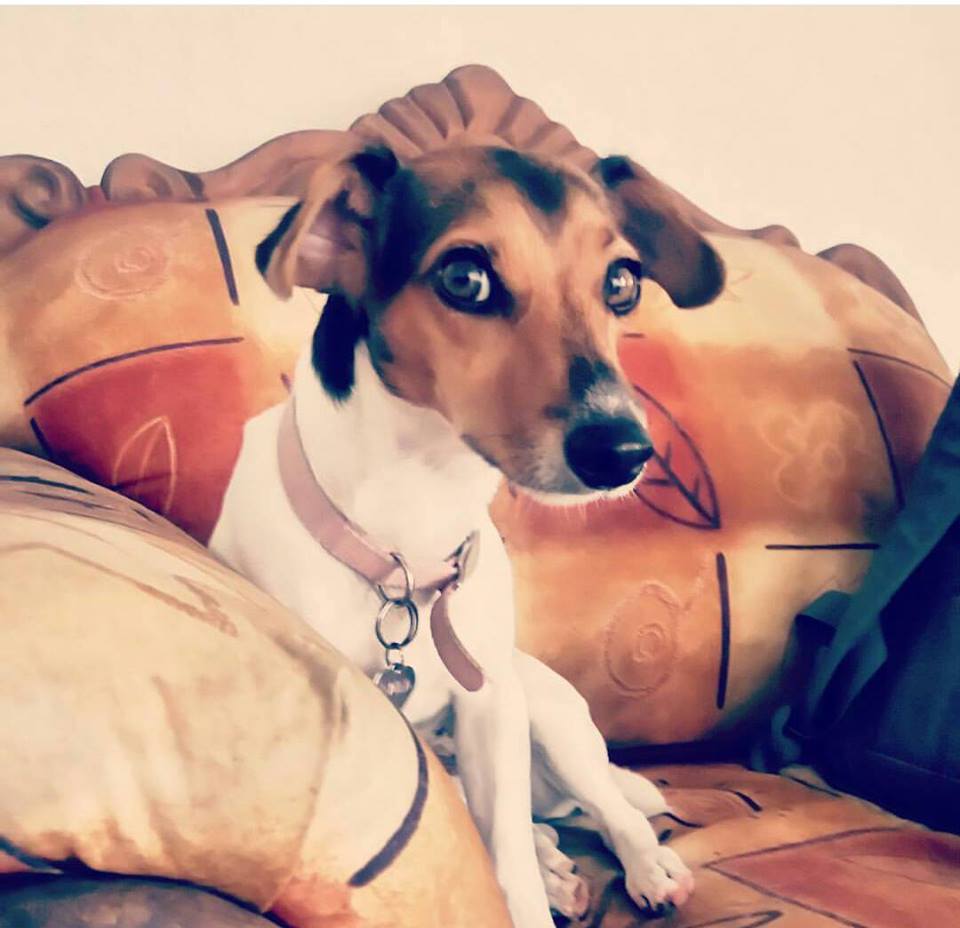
396, 682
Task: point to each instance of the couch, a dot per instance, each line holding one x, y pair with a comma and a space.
180, 750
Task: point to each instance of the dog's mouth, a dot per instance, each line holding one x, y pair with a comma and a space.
597, 458
572, 499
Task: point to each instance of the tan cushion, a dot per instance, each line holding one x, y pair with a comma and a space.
163, 717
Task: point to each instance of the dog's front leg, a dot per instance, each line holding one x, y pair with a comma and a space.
572, 764
493, 760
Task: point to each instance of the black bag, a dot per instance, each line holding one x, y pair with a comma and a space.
879, 713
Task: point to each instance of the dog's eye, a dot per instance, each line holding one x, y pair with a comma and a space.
464, 280
621, 289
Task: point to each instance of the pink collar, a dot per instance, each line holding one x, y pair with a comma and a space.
350, 545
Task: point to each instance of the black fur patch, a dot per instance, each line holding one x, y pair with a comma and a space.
376, 165
335, 340
267, 247
585, 374
615, 170
544, 187
409, 221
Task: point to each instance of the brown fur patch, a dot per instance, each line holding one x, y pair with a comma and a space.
494, 377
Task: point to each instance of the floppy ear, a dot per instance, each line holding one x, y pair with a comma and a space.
319, 242
674, 253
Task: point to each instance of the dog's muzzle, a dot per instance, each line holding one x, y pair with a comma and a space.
606, 453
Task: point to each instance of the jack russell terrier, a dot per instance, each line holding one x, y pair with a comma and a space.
469, 335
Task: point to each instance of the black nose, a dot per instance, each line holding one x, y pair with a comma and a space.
607, 453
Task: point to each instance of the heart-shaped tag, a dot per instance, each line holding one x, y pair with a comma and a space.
396, 682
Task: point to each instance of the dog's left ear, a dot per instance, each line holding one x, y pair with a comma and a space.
674, 253
320, 241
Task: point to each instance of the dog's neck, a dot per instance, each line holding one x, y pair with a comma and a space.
397, 471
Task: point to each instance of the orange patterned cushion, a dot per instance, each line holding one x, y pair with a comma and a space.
788, 417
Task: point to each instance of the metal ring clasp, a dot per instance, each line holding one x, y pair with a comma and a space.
408, 582
413, 623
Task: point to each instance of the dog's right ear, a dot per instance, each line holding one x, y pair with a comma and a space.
320, 241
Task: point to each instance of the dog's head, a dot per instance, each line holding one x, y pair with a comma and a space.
488, 285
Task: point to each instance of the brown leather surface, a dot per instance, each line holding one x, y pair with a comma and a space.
781, 850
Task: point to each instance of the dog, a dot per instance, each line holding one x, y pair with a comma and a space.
469, 335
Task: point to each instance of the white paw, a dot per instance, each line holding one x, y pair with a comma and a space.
657, 879
567, 891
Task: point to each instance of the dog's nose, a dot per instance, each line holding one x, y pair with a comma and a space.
607, 453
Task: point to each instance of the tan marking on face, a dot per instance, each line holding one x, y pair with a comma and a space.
500, 380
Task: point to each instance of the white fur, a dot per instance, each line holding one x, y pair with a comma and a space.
525, 743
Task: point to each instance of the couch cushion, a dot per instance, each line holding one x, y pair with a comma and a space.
164, 718
788, 417
786, 851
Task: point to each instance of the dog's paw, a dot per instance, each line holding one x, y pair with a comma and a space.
567, 891
659, 881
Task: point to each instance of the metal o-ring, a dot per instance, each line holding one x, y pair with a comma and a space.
413, 618
408, 582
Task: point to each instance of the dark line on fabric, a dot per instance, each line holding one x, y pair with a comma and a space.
69, 499
724, 670
894, 476
42, 440
42, 481
903, 361
103, 362
791, 845
773, 894
710, 520
224, 252
840, 546
682, 821
813, 786
765, 916
749, 801
401, 837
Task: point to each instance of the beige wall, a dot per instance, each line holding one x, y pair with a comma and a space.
842, 123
